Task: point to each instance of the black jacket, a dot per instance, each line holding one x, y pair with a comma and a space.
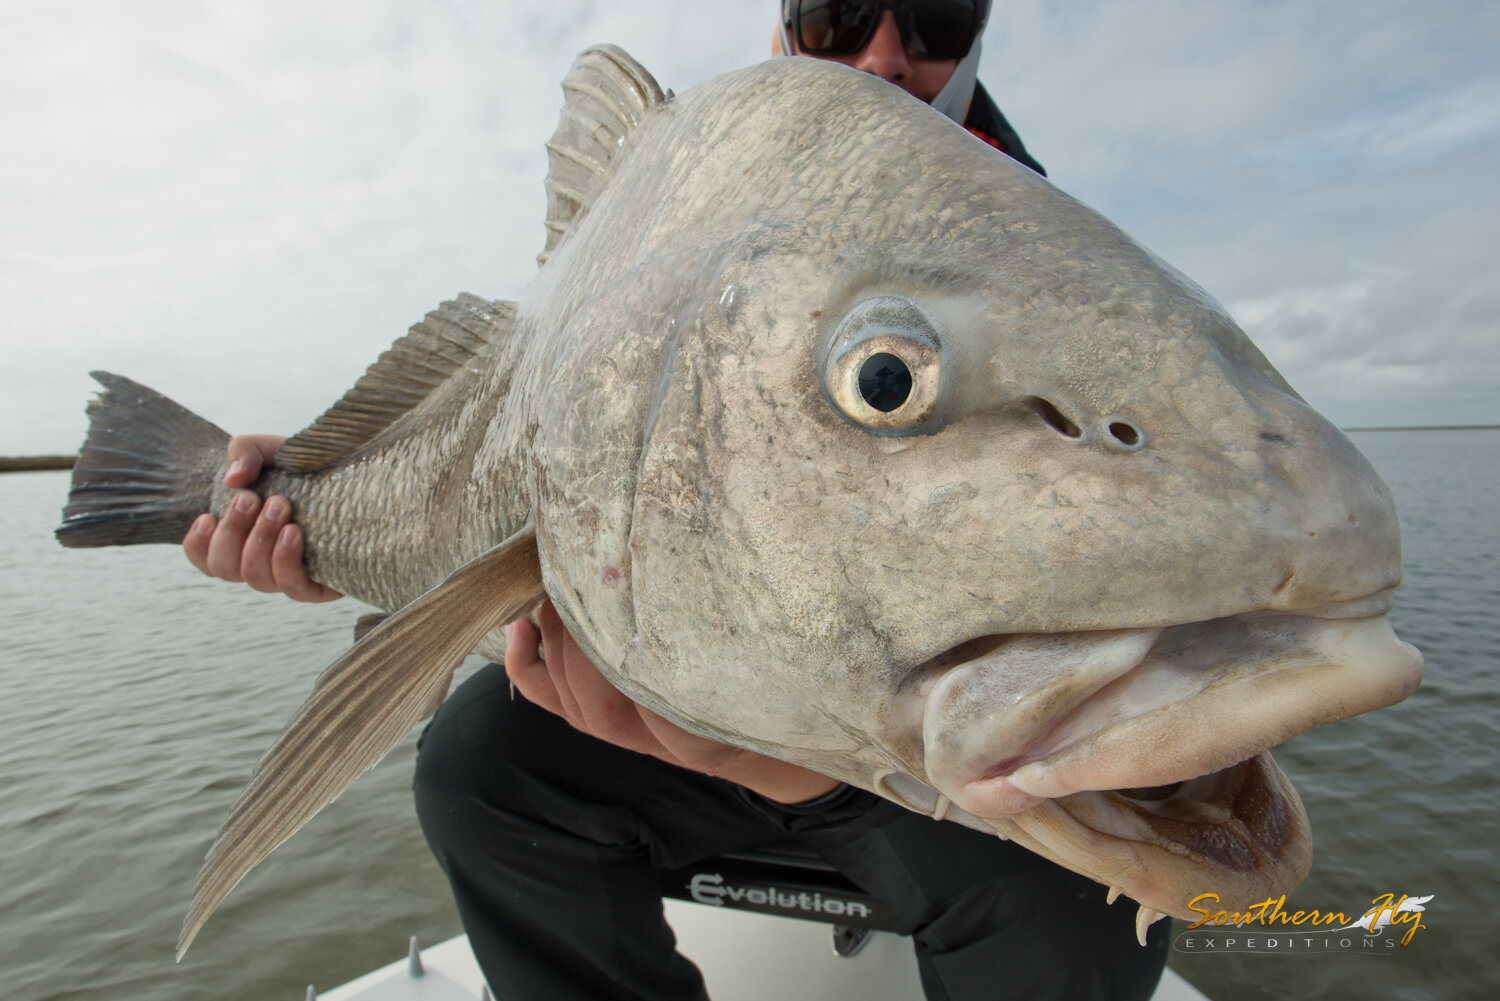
986, 121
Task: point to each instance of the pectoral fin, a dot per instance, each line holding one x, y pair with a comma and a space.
365, 623
363, 705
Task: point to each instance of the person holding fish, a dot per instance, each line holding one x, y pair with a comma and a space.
551, 813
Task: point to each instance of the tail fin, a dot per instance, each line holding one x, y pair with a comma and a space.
147, 469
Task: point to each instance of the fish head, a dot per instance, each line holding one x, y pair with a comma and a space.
922, 474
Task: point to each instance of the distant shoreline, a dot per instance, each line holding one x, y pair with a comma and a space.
1433, 427
31, 463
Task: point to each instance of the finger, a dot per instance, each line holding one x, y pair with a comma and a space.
248, 453
526, 669
684, 748
547, 620
195, 543
291, 576
554, 641
771, 777
260, 544
601, 709
228, 542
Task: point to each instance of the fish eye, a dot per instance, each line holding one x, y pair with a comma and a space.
884, 381
884, 367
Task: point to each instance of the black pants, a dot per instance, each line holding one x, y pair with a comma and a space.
551, 839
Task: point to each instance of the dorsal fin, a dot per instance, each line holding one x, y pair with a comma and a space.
402, 377
605, 96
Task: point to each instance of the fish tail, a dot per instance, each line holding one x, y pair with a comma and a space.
146, 470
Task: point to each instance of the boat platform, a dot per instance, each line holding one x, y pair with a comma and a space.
730, 947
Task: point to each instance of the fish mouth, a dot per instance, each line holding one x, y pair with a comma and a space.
1139, 757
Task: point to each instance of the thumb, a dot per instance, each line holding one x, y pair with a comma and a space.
248, 455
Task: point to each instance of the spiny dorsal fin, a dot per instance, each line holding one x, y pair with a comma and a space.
362, 706
606, 95
400, 379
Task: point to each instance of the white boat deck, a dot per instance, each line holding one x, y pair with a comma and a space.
732, 949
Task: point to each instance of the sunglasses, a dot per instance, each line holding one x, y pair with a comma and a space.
930, 29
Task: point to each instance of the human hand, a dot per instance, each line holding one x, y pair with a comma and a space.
256, 543
567, 683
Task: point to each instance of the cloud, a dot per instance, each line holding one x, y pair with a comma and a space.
1373, 289
1141, 93
1412, 137
1324, 169
243, 204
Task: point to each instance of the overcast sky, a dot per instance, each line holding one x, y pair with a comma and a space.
242, 204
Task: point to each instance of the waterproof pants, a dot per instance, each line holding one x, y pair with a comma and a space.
551, 840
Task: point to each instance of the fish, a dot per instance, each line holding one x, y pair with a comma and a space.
837, 435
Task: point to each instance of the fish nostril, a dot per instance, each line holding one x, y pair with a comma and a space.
1125, 435
1055, 418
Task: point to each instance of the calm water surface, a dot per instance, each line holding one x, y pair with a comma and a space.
135, 695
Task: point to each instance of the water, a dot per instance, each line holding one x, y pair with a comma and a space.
1408, 799
134, 694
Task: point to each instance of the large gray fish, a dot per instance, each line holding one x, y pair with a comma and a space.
837, 435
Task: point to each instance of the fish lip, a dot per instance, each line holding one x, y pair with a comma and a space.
1233, 824
1059, 756
1239, 818
1371, 605
1241, 834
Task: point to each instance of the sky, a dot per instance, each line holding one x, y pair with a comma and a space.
241, 205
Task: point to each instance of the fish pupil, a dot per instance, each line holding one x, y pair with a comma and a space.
884, 381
